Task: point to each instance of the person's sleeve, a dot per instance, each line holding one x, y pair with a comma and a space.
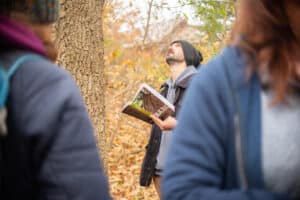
65, 158
195, 166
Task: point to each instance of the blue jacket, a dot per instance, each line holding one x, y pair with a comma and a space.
202, 159
50, 150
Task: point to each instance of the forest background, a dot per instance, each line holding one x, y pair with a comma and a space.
111, 47
135, 43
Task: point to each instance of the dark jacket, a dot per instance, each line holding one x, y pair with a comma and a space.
202, 162
152, 149
50, 150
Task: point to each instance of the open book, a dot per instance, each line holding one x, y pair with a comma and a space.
148, 101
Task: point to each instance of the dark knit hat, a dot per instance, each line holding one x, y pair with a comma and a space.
191, 55
39, 11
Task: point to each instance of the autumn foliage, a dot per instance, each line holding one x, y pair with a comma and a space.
129, 63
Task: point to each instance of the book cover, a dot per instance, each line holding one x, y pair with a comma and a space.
148, 101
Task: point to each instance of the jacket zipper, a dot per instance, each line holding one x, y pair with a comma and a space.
239, 153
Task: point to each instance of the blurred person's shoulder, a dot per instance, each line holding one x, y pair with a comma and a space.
38, 74
33, 63
229, 61
36, 70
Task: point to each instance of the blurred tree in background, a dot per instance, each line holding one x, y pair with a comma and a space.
79, 39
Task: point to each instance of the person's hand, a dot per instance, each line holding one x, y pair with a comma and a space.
168, 124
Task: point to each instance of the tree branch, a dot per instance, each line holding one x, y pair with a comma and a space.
148, 21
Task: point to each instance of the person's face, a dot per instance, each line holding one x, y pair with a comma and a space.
292, 8
175, 53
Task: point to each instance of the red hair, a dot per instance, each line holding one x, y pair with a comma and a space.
265, 34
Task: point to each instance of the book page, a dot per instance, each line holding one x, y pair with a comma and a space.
148, 101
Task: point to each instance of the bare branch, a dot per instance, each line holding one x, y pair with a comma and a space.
148, 21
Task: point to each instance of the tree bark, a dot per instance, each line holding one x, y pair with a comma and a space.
79, 39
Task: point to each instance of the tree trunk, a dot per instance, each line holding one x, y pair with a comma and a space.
79, 39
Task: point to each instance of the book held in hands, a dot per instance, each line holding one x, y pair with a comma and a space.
147, 101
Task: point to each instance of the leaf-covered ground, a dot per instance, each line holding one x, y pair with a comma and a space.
126, 136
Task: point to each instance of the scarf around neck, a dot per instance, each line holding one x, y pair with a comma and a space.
18, 37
